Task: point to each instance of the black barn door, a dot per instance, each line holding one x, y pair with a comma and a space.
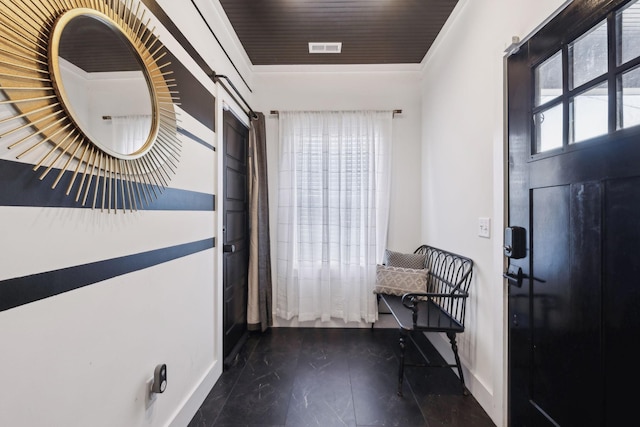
574, 186
235, 235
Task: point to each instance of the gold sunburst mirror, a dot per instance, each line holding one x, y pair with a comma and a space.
91, 96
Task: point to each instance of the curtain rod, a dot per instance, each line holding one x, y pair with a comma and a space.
220, 44
121, 117
276, 112
216, 78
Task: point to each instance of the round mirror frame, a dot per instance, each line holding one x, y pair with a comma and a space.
29, 80
58, 81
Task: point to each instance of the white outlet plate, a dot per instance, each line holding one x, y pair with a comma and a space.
484, 227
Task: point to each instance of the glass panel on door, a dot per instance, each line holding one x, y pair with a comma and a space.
588, 56
628, 21
589, 114
548, 129
629, 99
548, 79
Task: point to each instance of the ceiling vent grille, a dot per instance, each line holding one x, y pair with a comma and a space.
325, 47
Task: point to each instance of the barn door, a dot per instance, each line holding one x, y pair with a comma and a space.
574, 186
235, 235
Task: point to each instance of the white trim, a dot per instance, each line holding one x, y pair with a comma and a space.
229, 104
228, 28
514, 47
196, 398
342, 68
443, 33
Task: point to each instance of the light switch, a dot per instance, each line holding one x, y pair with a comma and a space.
484, 227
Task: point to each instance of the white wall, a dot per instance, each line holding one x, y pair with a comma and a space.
351, 88
106, 91
76, 86
462, 168
84, 357
94, 95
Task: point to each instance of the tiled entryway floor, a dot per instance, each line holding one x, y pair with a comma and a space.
334, 377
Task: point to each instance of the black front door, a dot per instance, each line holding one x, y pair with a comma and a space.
574, 186
235, 235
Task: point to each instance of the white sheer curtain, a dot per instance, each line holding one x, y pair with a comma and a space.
333, 213
130, 132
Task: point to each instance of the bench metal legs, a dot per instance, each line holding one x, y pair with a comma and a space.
403, 345
454, 346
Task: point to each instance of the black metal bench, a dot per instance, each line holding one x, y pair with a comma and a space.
440, 309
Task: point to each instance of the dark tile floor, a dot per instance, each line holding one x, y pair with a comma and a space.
334, 377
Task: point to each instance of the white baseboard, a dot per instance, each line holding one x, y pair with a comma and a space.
475, 386
194, 400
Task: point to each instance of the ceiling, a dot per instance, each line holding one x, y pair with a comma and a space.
277, 32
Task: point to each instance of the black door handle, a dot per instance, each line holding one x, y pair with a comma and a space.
228, 248
514, 275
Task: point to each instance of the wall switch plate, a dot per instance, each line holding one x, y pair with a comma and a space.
484, 227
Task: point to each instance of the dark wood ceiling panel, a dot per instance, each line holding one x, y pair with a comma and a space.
277, 32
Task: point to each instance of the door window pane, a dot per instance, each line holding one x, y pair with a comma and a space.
589, 113
548, 78
629, 99
548, 129
588, 56
628, 21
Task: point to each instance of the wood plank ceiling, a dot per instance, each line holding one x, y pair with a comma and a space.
277, 32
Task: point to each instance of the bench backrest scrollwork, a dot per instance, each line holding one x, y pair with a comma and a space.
449, 274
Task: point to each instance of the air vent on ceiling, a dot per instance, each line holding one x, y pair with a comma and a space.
325, 47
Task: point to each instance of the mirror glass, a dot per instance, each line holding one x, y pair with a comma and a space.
104, 86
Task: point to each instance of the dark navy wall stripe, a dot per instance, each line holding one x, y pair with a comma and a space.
21, 186
23, 290
173, 199
159, 13
196, 139
195, 99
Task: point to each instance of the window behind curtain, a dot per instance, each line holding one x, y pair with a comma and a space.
333, 213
